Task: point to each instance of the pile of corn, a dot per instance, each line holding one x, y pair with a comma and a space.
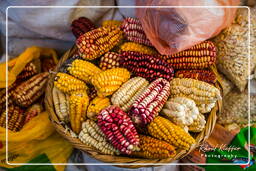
110, 98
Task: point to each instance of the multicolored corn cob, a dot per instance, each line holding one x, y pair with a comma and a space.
32, 112
110, 23
125, 96
95, 43
199, 56
151, 148
68, 83
132, 46
78, 103
61, 104
202, 75
146, 66
92, 136
107, 82
198, 125
134, 32
81, 26
29, 70
92, 92
147, 106
163, 129
29, 91
96, 105
109, 60
118, 129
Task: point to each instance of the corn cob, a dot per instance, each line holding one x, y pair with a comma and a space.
81, 26
181, 111
15, 118
198, 125
146, 66
47, 64
32, 112
61, 105
29, 91
125, 96
152, 148
201, 75
133, 31
29, 70
96, 105
147, 106
95, 43
92, 136
107, 82
78, 103
131, 46
92, 92
110, 23
82, 70
199, 56
205, 95
118, 129
163, 129
109, 60
68, 83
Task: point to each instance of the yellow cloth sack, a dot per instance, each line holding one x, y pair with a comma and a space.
38, 136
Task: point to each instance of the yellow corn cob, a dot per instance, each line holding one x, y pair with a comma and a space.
96, 105
78, 103
61, 105
132, 46
107, 82
152, 148
92, 136
163, 129
68, 83
83, 70
108, 23
205, 95
198, 124
109, 60
129, 92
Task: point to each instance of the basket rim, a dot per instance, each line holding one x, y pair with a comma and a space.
60, 128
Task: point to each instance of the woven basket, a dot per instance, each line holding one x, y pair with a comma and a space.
200, 137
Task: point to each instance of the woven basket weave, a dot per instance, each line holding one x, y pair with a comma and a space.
200, 137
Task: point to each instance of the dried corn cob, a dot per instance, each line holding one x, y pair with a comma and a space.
146, 66
92, 136
133, 31
131, 46
32, 112
163, 129
199, 56
29, 91
82, 70
152, 148
147, 106
109, 60
61, 105
81, 26
95, 43
198, 125
92, 92
68, 83
78, 103
205, 95
129, 92
202, 75
107, 82
29, 70
110, 23
96, 105
181, 111
119, 129
48, 64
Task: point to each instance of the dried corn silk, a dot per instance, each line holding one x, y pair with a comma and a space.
232, 45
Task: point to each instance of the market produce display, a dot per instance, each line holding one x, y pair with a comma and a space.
119, 97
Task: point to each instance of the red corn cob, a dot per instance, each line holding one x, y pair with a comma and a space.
81, 26
150, 102
119, 129
147, 66
202, 75
134, 32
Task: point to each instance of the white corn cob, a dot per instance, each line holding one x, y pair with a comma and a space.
129, 92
